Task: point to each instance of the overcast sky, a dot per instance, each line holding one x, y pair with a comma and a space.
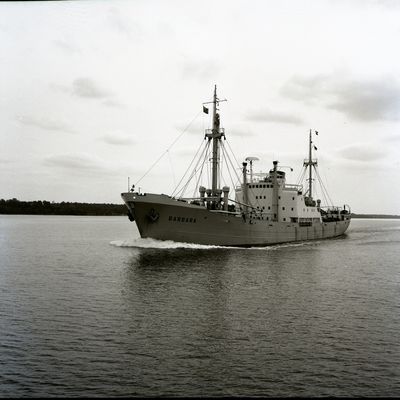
95, 91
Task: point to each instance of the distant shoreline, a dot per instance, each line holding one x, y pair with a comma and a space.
375, 216
14, 207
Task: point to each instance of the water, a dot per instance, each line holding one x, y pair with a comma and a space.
89, 309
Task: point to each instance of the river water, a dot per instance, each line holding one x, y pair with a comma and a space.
87, 308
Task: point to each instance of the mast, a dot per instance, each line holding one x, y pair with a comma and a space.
310, 163
215, 145
310, 169
215, 134
275, 193
245, 190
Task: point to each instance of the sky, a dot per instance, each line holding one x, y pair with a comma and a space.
94, 92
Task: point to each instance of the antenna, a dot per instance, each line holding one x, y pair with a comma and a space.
251, 159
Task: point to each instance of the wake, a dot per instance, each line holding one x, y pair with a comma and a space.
149, 243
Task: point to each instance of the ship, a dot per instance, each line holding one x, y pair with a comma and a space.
260, 210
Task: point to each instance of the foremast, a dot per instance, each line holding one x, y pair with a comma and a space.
310, 163
215, 134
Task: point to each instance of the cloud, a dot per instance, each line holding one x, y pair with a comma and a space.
86, 87
66, 46
361, 152
393, 138
119, 139
75, 162
195, 128
305, 89
368, 101
113, 103
371, 100
266, 115
239, 130
202, 70
44, 123
5, 161
120, 23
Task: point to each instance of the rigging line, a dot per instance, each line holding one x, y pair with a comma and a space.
226, 166
193, 173
324, 194
226, 155
208, 170
176, 188
201, 170
326, 179
163, 154
233, 167
226, 162
324, 191
323, 187
300, 176
301, 179
184, 187
227, 141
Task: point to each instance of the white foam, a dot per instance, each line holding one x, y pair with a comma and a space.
149, 243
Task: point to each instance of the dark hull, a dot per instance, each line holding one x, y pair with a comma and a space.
160, 217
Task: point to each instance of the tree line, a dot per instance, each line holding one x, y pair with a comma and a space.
14, 206
39, 207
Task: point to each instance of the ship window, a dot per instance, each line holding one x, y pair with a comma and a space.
283, 208
256, 197
279, 197
170, 218
191, 220
264, 197
292, 208
284, 219
178, 219
194, 219
174, 218
187, 219
292, 198
263, 186
257, 186
269, 207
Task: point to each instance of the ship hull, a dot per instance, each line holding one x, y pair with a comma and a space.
163, 218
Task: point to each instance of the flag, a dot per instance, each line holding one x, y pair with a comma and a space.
316, 132
205, 110
315, 147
